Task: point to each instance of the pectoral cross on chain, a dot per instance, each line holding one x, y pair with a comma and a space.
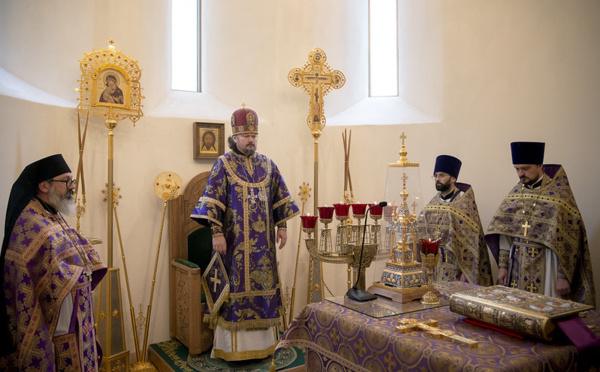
215, 280
88, 274
525, 227
252, 197
429, 326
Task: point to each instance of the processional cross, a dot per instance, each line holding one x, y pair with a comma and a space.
429, 326
316, 78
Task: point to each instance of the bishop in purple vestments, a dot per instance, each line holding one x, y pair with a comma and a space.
245, 199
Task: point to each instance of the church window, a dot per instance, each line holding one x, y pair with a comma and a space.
185, 45
383, 48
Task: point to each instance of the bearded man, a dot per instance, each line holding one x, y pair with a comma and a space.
48, 274
244, 202
544, 246
452, 217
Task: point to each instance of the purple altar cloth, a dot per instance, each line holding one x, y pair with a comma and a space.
341, 339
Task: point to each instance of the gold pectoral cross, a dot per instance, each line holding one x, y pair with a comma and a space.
525, 227
430, 326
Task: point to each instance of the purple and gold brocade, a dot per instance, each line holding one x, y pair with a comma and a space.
463, 243
244, 199
556, 224
43, 266
337, 338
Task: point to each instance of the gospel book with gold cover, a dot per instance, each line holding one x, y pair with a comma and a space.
516, 310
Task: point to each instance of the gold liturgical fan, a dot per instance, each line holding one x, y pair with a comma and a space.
110, 89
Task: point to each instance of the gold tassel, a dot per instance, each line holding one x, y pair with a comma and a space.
272, 368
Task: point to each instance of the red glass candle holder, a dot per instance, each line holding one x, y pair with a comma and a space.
309, 222
359, 209
376, 210
326, 213
341, 210
429, 246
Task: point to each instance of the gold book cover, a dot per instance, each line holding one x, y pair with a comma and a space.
516, 310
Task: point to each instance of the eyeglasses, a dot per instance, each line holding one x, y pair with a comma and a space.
70, 182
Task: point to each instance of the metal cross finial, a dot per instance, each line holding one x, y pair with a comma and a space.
403, 137
243, 105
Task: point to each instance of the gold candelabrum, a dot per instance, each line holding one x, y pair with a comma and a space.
349, 237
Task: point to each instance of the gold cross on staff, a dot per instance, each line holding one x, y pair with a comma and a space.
316, 78
429, 326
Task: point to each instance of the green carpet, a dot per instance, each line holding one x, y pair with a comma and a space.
176, 357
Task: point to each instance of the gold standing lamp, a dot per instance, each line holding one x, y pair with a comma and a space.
316, 78
110, 89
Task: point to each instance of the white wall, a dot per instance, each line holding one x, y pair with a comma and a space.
508, 70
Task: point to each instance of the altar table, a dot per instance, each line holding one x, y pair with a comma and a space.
337, 338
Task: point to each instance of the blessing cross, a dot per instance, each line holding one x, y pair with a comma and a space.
215, 280
316, 78
429, 326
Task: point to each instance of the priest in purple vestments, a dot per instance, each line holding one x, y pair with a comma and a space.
244, 202
452, 216
544, 248
48, 274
